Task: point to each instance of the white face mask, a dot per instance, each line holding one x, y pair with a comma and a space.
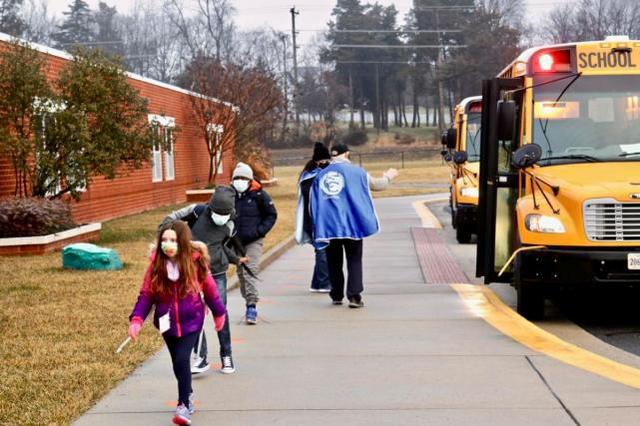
241, 185
220, 219
170, 248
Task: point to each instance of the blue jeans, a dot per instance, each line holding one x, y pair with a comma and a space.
320, 278
224, 335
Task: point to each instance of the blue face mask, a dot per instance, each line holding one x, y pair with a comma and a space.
220, 219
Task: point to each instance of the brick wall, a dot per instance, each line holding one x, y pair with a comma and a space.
134, 191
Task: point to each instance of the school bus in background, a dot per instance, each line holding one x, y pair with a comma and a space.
559, 201
463, 142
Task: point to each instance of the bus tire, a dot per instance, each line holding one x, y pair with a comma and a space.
463, 234
530, 298
453, 213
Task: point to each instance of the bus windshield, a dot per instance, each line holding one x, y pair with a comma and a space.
587, 118
473, 136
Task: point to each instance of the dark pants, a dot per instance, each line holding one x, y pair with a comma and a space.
224, 335
353, 251
180, 350
320, 278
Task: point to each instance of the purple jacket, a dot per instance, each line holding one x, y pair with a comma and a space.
187, 313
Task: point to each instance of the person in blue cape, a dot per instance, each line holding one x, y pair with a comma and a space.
321, 158
343, 215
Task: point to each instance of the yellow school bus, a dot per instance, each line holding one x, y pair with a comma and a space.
559, 202
464, 144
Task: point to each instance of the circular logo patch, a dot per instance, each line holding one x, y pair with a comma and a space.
332, 183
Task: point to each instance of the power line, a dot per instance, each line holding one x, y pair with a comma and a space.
387, 31
399, 46
383, 62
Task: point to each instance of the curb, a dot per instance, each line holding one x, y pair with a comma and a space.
267, 259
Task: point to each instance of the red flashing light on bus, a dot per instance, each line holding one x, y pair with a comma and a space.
545, 61
553, 61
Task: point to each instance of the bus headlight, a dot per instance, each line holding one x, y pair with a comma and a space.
545, 224
469, 192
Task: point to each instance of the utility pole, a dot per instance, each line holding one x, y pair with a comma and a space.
294, 12
283, 37
439, 63
378, 112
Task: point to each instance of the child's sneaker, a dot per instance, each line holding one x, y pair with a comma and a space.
227, 365
182, 417
251, 317
200, 365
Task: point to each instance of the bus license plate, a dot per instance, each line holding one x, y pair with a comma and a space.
633, 261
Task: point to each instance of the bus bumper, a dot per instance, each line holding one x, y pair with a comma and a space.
578, 267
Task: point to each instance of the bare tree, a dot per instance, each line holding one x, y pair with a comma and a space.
256, 96
592, 20
209, 31
39, 23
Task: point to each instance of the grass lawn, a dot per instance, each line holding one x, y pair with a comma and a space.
60, 328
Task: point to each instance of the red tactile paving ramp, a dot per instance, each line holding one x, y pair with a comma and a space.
437, 264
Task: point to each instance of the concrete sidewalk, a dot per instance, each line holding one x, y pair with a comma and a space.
414, 355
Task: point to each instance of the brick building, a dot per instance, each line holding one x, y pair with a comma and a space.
166, 177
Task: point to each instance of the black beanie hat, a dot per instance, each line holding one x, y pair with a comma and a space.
320, 152
223, 200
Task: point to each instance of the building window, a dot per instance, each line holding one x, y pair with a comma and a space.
163, 146
215, 132
45, 111
169, 166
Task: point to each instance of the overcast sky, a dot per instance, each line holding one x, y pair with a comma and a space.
314, 14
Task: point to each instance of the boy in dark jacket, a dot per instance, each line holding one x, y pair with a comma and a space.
213, 225
255, 216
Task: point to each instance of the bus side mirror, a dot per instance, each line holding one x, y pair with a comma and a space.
452, 136
447, 157
460, 157
506, 120
443, 139
526, 156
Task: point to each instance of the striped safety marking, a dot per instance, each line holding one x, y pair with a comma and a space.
437, 264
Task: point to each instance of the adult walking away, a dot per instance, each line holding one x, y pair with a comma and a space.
343, 214
320, 282
255, 216
213, 225
177, 275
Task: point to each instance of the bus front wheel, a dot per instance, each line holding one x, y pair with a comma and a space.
530, 299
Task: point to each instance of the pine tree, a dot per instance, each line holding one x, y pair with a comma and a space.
108, 36
77, 28
10, 20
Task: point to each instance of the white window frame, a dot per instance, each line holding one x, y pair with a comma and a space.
162, 123
218, 129
169, 160
47, 106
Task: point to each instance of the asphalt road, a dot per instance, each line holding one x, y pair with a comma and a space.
611, 316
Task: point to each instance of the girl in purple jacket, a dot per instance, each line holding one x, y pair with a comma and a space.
178, 283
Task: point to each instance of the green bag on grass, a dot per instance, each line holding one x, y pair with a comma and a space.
90, 256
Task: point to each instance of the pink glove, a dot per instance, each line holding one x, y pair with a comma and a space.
219, 322
134, 328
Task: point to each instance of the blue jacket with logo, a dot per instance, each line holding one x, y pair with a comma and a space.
341, 204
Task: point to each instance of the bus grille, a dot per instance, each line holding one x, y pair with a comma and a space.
610, 220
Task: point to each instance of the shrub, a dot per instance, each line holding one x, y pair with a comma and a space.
28, 217
355, 138
405, 139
